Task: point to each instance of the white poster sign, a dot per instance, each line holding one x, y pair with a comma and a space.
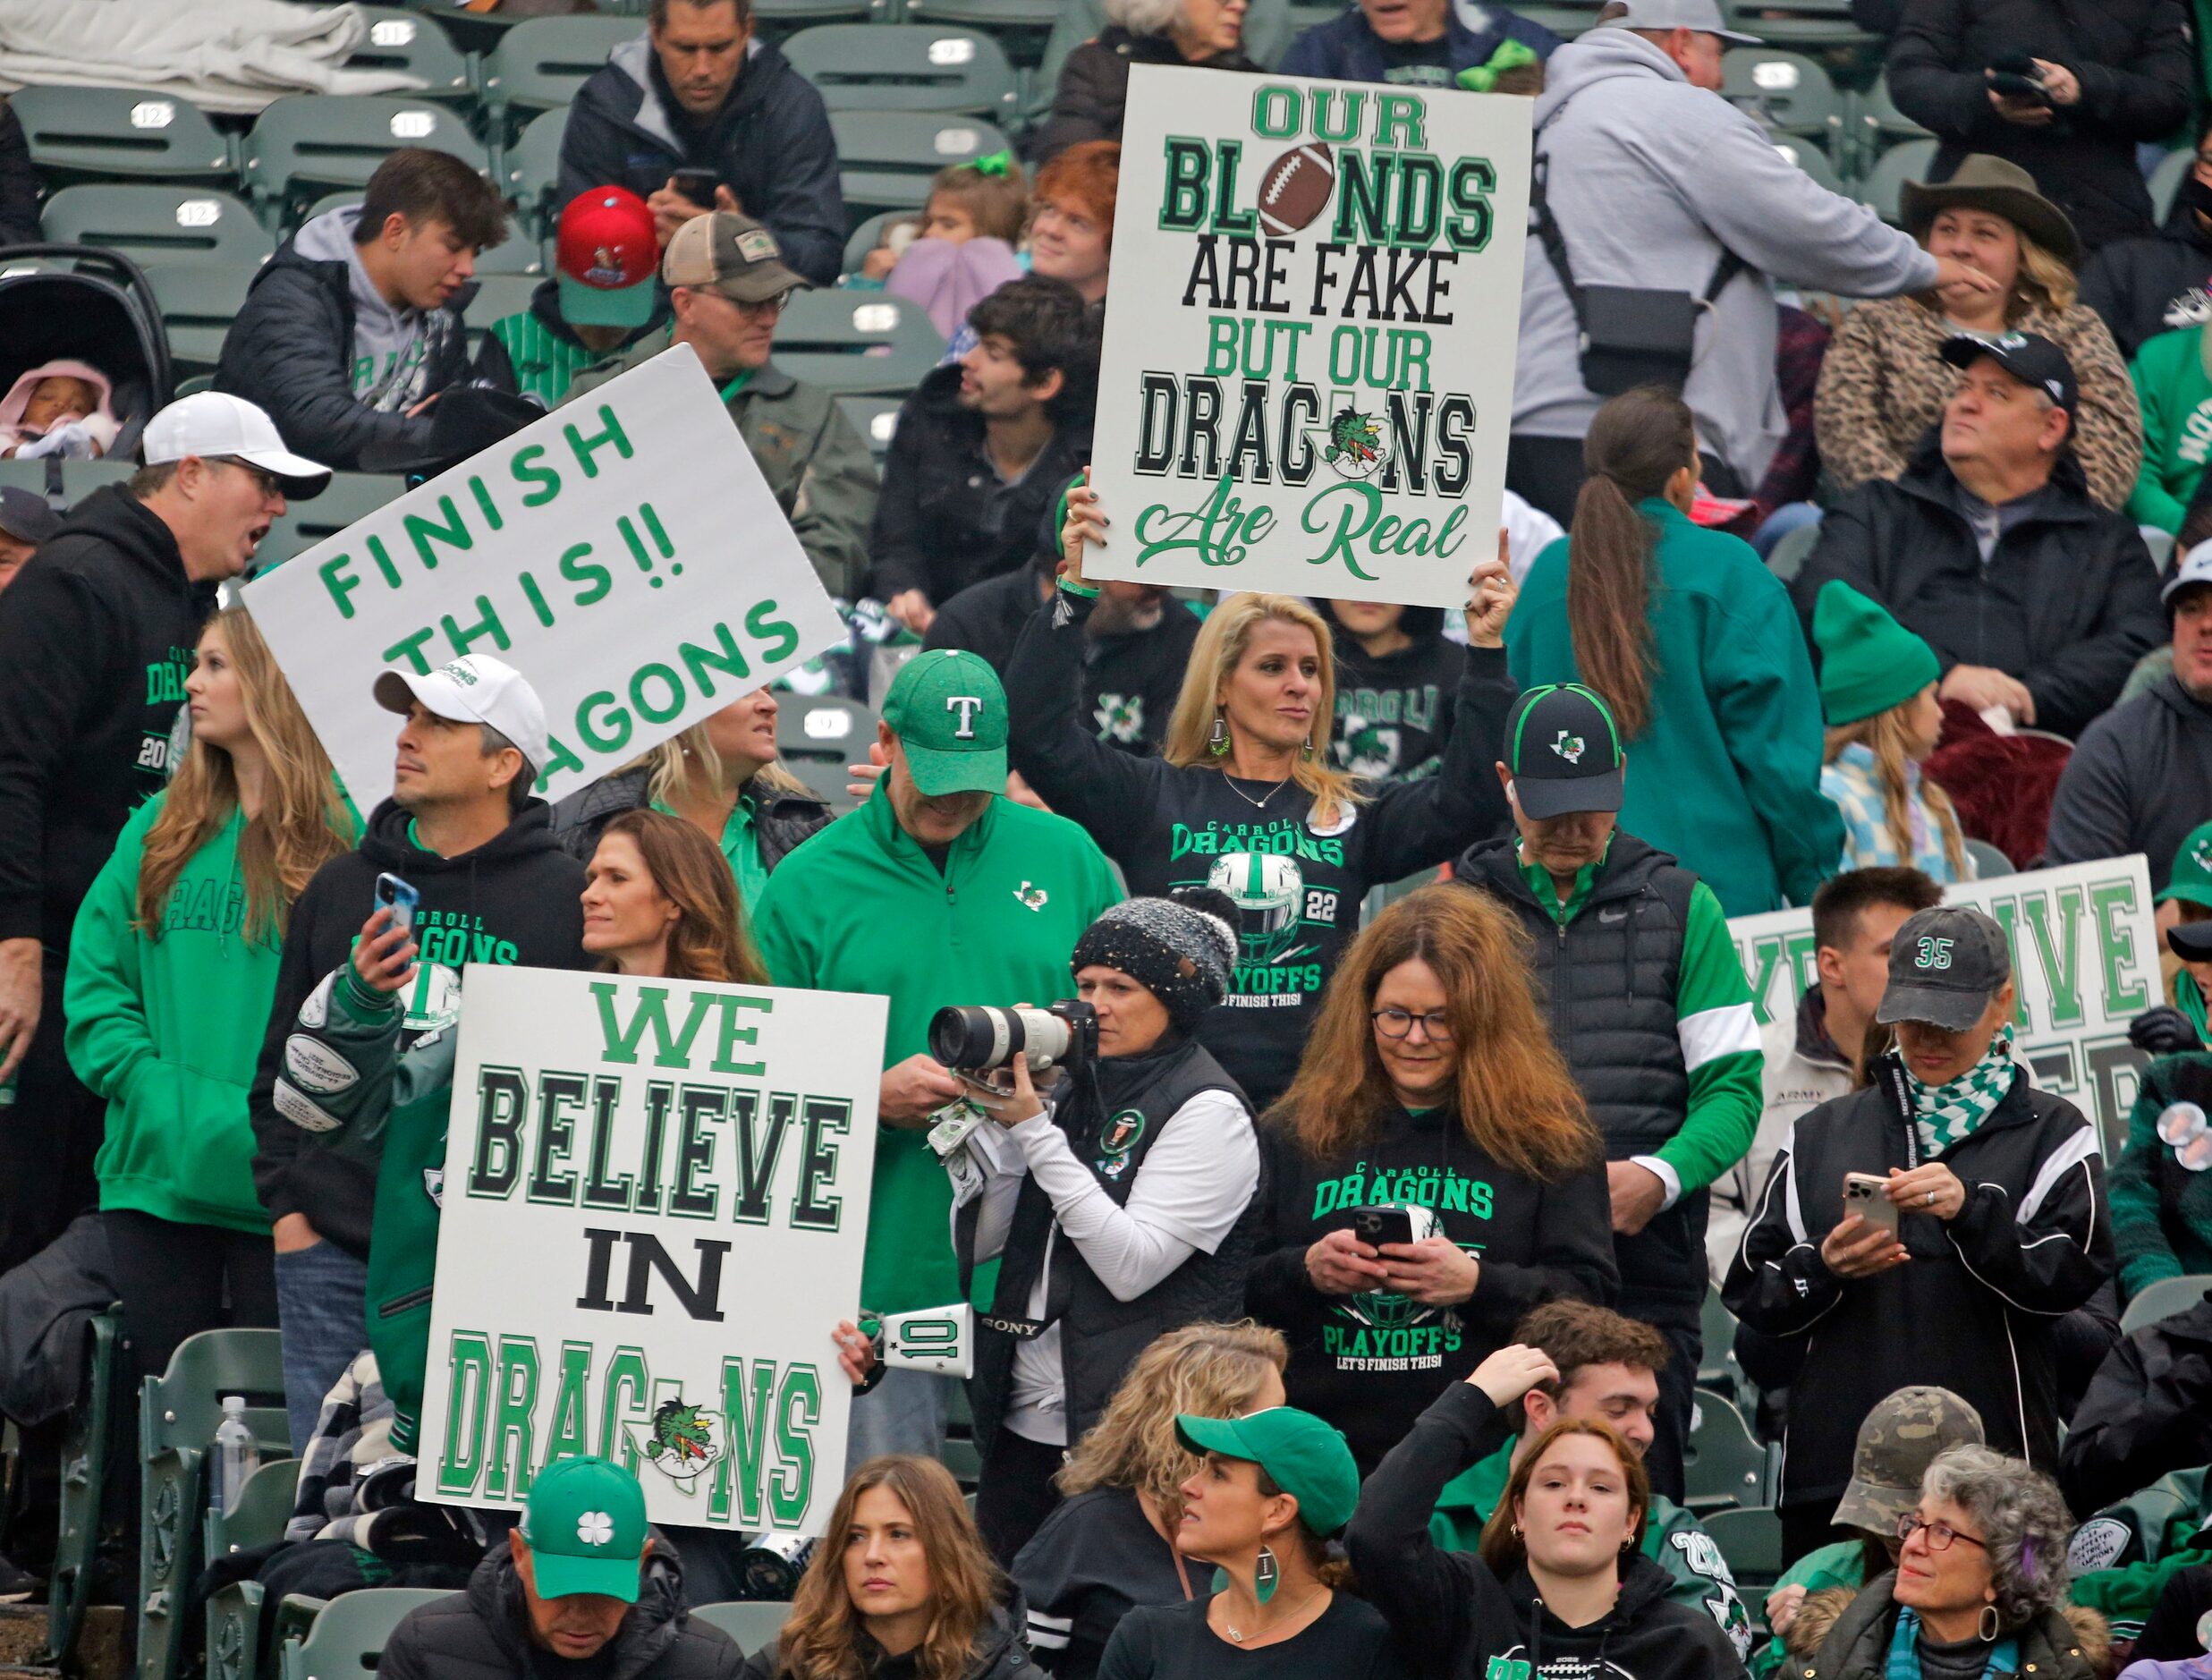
2085, 957
655, 1201
1311, 326
623, 553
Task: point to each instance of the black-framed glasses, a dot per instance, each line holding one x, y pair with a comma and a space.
766, 306
1939, 1534
268, 481
1396, 1023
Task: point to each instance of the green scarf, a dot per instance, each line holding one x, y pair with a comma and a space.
1943, 1114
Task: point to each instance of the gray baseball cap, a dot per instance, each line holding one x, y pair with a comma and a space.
1900, 1438
25, 515
1701, 15
1943, 966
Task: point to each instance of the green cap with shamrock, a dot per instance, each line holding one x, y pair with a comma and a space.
585, 1523
2192, 880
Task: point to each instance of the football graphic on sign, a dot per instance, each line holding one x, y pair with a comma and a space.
1296, 189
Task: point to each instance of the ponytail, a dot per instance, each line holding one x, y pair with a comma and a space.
1636, 443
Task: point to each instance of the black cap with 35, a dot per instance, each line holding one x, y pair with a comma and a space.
1944, 965
2028, 357
1563, 751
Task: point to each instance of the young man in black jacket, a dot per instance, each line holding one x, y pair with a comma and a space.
353, 328
2162, 282
1930, 1228
97, 635
463, 829
985, 447
699, 94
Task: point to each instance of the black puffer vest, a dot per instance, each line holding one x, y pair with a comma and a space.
1611, 977
1111, 1122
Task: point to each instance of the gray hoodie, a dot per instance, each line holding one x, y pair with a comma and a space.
391, 360
1646, 178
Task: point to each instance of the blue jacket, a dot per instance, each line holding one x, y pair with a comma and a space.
1346, 49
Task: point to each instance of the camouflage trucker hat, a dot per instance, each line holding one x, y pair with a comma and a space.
1900, 1438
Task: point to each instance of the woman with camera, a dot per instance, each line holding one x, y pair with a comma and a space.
1246, 795
1432, 1173
1118, 1211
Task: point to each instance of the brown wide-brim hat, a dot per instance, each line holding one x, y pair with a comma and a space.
1983, 183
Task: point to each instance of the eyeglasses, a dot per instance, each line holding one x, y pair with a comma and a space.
1939, 1534
2182, 1126
766, 306
268, 481
1396, 1023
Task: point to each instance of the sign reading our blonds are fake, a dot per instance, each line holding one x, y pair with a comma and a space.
655, 1200
623, 553
1309, 334
2085, 962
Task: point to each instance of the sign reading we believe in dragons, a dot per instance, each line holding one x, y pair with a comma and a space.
1308, 372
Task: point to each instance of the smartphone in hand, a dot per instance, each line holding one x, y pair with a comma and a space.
400, 898
1866, 1196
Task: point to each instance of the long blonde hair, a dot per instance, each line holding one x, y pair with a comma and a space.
1885, 735
1221, 643
303, 822
669, 766
820, 1641
1201, 1371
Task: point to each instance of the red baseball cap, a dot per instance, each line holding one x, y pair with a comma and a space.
607, 255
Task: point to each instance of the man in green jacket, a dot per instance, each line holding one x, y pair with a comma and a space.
1608, 1373
727, 286
2174, 388
937, 892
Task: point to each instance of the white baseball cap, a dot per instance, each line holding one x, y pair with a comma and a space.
2196, 567
480, 689
213, 424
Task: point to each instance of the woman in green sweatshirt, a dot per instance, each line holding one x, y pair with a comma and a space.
171, 972
2174, 386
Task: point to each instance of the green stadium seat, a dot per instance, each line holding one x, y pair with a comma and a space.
1808, 157
79, 479
867, 236
779, 19
1787, 92
1750, 1537
1884, 184
751, 1625
1022, 26
1874, 121
199, 298
178, 1413
876, 419
150, 224
531, 168
1989, 861
234, 1611
317, 141
2162, 1300
82, 133
350, 1633
2165, 181
885, 158
24, 475
348, 497
1721, 1464
1790, 554
826, 728
904, 67
1566, 21
411, 43
856, 342
497, 296
1817, 24
540, 62
94, 1438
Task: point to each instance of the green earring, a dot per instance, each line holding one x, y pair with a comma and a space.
1267, 1576
1217, 739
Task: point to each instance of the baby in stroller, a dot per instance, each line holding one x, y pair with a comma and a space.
59, 409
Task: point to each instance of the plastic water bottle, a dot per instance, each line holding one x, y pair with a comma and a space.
237, 1454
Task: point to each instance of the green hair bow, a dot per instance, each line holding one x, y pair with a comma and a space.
1509, 56
997, 164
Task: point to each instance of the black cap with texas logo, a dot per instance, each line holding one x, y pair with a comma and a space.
1563, 751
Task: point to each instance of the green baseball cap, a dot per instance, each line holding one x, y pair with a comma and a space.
2192, 880
585, 1523
1302, 1455
949, 712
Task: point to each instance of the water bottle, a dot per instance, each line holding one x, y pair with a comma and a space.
237, 1454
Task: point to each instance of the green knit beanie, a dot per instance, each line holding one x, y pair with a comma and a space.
1868, 661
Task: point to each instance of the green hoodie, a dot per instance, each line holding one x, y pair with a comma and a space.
861, 908
2176, 398
1726, 774
168, 1030
1697, 1574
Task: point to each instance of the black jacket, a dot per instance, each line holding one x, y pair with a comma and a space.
2067, 604
1971, 1311
480, 1634
2157, 284
770, 144
97, 635
1370, 1363
513, 901
2148, 1409
1857, 1648
1394, 713
1130, 678
290, 351
1094, 87
2138, 78
780, 823
2135, 782
1451, 1614
945, 520
18, 184
1000, 1652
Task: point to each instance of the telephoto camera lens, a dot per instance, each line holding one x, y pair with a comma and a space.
980, 1036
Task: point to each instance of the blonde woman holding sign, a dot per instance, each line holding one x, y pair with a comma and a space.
1246, 797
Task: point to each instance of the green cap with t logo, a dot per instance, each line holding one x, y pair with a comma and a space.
949, 713
585, 1523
